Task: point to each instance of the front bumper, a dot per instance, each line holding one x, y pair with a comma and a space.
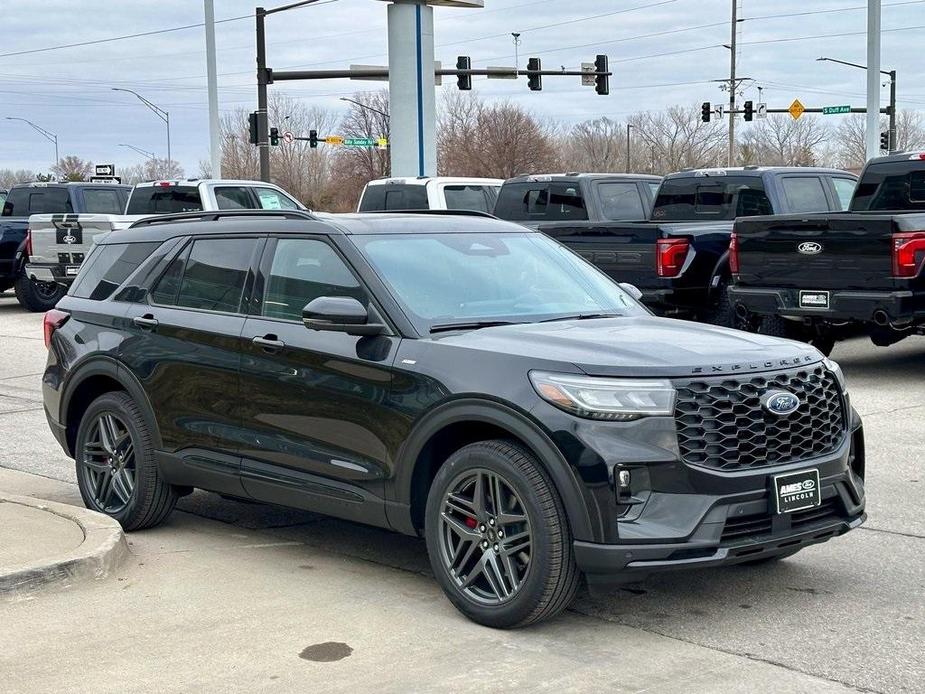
844, 305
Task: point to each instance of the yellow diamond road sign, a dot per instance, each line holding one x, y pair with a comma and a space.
796, 109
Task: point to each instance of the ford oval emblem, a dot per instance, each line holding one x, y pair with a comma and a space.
780, 402
810, 248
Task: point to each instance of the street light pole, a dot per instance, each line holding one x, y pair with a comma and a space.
894, 144
873, 78
148, 154
51, 137
158, 111
364, 106
628, 127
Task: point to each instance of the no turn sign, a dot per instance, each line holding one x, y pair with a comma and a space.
288, 137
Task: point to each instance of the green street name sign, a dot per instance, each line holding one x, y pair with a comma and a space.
833, 110
360, 142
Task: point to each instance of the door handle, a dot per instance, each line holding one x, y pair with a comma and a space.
269, 343
145, 322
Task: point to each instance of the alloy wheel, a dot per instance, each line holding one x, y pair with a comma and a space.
46, 290
108, 463
485, 537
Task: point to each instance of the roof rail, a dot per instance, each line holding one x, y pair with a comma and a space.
454, 213
220, 214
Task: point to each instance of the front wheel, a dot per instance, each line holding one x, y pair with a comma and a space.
38, 297
116, 471
497, 536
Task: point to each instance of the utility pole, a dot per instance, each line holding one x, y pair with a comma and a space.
894, 140
215, 138
263, 129
873, 78
732, 84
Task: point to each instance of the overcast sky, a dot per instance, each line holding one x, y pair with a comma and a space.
662, 52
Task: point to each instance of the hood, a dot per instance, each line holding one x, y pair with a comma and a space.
640, 346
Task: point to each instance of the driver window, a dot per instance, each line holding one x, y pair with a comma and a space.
303, 270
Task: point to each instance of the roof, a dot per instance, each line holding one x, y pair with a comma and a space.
69, 184
207, 181
424, 180
899, 156
753, 171
292, 221
572, 176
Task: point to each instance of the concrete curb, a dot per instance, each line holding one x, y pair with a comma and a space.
103, 550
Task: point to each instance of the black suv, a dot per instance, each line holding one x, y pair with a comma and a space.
453, 376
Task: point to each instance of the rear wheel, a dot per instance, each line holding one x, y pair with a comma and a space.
38, 296
116, 472
497, 536
722, 312
781, 327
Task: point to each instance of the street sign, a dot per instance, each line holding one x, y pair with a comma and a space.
288, 137
589, 80
105, 170
718, 110
761, 111
796, 109
834, 110
334, 140
360, 142
502, 73
105, 179
382, 143
361, 68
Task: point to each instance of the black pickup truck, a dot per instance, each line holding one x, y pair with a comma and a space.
823, 277
26, 199
678, 257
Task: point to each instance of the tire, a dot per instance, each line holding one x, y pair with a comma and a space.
538, 586
722, 312
38, 296
775, 326
141, 499
771, 559
780, 327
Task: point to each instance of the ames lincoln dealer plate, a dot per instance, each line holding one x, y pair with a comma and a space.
814, 299
796, 491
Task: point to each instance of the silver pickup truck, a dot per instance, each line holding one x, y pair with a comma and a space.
58, 243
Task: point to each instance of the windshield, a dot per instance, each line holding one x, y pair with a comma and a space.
693, 198
443, 279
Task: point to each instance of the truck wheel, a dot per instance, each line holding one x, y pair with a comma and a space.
776, 327
116, 471
781, 327
38, 296
722, 312
497, 536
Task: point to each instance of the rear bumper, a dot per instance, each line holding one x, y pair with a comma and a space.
844, 305
50, 273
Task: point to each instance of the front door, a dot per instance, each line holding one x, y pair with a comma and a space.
314, 403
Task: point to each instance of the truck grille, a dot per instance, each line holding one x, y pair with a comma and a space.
722, 425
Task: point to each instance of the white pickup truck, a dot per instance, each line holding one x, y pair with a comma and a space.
58, 243
430, 193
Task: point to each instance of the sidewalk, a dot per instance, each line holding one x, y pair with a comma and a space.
201, 605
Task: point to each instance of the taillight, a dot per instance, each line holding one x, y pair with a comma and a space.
29, 242
54, 319
734, 254
908, 253
670, 255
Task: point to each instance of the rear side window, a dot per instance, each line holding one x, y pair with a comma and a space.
164, 200
844, 189
233, 198
541, 202
22, 202
271, 199
692, 198
108, 267
805, 193
103, 201
890, 185
394, 197
213, 275
621, 201
460, 197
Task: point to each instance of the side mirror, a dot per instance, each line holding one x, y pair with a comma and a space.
342, 314
632, 290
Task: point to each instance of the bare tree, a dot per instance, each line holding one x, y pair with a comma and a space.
498, 140
72, 168
676, 138
849, 146
353, 168
779, 140
596, 145
9, 177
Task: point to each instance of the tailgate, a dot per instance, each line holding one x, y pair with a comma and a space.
66, 239
826, 251
624, 251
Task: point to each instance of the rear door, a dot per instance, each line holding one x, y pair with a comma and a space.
187, 354
316, 423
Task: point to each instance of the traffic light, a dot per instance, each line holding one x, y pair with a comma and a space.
601, 64
885, 141
534, 80
252, 126
313, 139
705, 111
274, 136
749, 110
464, 82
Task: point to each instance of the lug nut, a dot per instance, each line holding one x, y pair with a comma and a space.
484, 544
491, 521
500, 533
495, 547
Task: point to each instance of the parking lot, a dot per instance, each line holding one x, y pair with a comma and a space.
278, 599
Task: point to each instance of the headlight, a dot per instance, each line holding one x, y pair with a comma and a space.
612, 399
833, 366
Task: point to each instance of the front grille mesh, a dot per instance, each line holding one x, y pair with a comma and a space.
721, 423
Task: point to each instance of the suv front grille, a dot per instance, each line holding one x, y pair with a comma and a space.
722, 425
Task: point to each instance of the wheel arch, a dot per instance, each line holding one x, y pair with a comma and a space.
720, 269
459, 423
91, 380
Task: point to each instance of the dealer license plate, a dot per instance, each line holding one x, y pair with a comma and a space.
71, 270
796, 491
814, 299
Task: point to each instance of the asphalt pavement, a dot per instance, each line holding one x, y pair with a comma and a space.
243, 597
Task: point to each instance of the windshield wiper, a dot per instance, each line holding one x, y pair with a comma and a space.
583, 316
471, 325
